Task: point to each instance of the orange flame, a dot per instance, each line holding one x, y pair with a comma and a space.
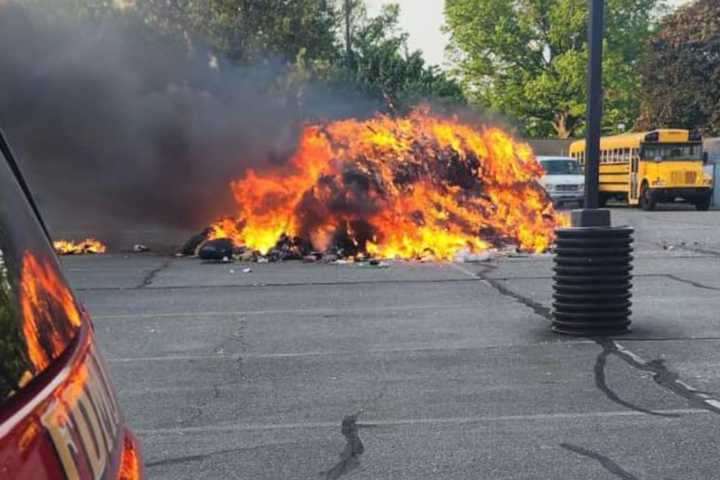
89, 245
130, 468
398, 188
44, 297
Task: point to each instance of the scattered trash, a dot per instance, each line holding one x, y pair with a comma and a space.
466, 256
373, 264
247, 270
140, 248
332, 258
217, 250
246, 256
194, 243
289, 248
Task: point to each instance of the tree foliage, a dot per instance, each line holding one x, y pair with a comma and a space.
681, 77
246, 31
330, 41
528, 58
383, 67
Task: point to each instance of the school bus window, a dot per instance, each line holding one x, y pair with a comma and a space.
669, 152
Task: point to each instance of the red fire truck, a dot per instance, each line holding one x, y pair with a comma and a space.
59, 418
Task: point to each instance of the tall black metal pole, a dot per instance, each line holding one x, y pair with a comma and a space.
595, 103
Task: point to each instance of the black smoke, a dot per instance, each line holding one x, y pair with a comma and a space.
119, 126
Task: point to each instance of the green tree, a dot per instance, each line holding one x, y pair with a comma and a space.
528, 58
382, 66
247, 31
681, 77
319, 41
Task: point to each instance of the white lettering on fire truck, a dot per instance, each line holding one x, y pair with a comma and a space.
83, 424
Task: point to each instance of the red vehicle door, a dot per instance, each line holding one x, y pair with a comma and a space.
59, 418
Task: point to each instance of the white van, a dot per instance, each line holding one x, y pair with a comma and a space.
564, 180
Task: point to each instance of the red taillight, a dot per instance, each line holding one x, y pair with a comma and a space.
130, 466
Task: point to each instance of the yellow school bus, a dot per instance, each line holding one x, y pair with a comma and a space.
650, 167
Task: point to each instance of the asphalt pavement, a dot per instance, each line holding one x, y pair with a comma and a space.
416, 371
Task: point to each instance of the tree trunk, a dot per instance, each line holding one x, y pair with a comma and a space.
348, 34
560, 124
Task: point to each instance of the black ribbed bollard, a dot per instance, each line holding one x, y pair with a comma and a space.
593, 281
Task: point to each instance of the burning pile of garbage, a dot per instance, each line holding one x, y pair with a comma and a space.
416, 187
84, 247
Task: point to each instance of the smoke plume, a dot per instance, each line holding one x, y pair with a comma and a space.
112, 127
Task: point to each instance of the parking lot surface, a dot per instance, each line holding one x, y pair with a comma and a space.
416, 371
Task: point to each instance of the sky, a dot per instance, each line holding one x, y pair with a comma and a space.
423, 20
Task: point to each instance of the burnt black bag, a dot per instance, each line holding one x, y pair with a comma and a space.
218, 250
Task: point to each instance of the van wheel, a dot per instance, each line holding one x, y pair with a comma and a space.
703, 205
647, 203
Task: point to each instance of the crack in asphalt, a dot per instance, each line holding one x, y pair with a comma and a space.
607, 463
354, 448
608, 349
662, 376
647, 275
536, 307
687, 248
150, 277
692, 283
497, 284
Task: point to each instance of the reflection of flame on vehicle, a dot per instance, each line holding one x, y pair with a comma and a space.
43, 296
59, 414
89, 245
407, 188
82, 417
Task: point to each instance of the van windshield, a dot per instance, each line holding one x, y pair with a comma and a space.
561, 167
669, 152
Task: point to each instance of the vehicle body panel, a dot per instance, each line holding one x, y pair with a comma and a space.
59, 416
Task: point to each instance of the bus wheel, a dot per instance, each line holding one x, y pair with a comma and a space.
647, 203
703, 205
602, 200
